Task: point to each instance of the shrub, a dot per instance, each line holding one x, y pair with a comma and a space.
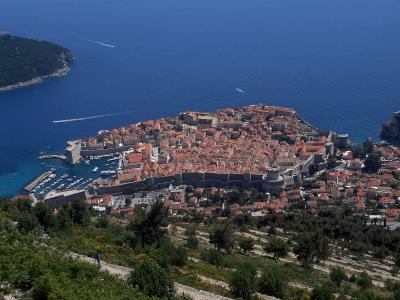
221, 235
27, 222
41, 288
242, 282
373, 162
170, 255
396, 294
311, 246
338, 276
192, 240
364, 281
212, 256
102, 222
273, 282
246, 244
152, 280
44, 215
323, 291
397, 259
278, 247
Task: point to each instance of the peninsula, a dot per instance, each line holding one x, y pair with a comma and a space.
24, 62
256, 146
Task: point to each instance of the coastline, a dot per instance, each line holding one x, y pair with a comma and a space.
37, 80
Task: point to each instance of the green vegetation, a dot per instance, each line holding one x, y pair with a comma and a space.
152, 280
38, 263
40, 272
192, 240
349, 232
274, 282
243, 282
146, 226
373, 163
311, 247
22, 60
221, 236
323, 291
246, 244
277, 247
338, 276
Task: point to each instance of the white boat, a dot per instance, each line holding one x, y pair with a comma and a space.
108, 172
95, 169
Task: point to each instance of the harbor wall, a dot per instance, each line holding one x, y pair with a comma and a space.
96, 152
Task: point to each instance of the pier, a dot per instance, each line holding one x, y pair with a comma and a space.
51, 156
38, 180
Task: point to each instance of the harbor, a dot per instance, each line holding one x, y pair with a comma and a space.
31, 186
58, 176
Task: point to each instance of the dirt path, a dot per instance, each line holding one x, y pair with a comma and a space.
181, 289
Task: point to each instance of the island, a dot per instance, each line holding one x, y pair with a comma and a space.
391, 129
24, 62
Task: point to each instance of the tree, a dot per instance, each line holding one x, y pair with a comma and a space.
170, 255
273, 282
192, 240
152, 280
323, 291
103, 222
63, 218
79, 212
272, 230
242, 282
373, 163
357, 151
24, 204
27, 222
397, 259
368, 146
221, 236
338, 276
311, 247
146, 226
279, 248
396, 294
44, 215
246, 244
364, 281
214, 257
41, 288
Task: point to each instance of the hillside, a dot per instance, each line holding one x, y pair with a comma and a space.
25, 62
50, 255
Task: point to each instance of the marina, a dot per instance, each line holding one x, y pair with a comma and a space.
31, 186
63, 177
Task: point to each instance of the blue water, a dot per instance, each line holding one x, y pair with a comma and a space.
336, 62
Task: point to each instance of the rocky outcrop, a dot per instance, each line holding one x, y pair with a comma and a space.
391, 129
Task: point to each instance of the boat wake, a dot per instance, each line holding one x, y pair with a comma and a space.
238, 90
88, 118
99, 43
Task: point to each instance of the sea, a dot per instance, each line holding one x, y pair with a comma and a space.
336, 62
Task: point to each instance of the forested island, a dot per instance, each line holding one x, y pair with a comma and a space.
25, 62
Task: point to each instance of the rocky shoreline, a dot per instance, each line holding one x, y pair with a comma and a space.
391, 129
58, 73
